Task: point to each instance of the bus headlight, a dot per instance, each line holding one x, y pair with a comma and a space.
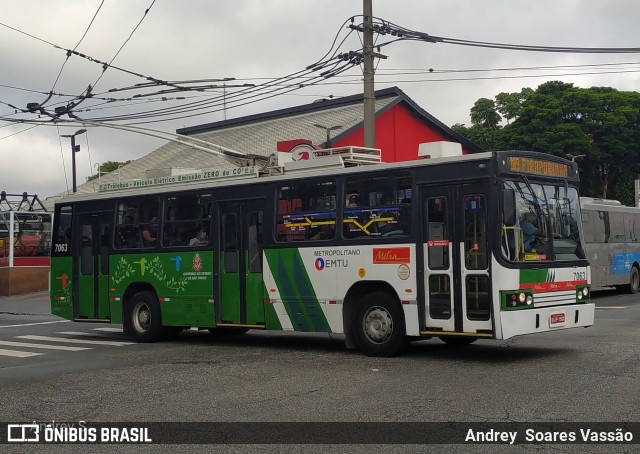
516, 299
582, 293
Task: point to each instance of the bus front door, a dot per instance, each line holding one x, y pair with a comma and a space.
456, 262
91, 266
239, 284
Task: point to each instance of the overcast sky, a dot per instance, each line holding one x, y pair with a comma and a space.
254, 41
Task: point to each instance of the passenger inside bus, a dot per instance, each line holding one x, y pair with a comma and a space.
200, 237
149, 234
129, 235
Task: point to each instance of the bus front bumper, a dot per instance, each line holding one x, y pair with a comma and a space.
529, 321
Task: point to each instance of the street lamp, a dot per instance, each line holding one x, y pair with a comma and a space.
574, 158
328, 129
74, 149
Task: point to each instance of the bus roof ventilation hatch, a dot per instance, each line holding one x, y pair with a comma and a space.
441, 149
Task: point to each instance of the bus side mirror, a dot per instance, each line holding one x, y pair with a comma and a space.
509, 207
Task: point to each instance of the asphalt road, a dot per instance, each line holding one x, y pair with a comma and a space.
584, 375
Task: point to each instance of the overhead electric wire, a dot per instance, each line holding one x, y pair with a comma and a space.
124, 44
19, 132
78, 44
316, 74
262, 90
402, 33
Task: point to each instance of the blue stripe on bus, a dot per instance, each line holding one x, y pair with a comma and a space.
621, 263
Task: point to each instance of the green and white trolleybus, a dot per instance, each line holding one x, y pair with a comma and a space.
383, 253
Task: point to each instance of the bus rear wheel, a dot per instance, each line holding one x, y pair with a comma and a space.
143, 321
634, 281
378, 325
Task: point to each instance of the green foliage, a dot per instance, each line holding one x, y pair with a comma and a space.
508, 104
487, 138
483, 113
107, 167
601, 123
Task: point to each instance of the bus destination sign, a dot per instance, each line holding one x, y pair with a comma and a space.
535, 166
217, 174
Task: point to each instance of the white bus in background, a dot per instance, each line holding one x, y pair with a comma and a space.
611, 232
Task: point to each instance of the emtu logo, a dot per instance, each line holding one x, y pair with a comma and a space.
319, 263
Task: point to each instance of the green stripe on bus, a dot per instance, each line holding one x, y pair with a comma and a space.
535, 276
297, 293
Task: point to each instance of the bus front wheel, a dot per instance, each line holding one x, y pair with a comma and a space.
378, 325
143, 321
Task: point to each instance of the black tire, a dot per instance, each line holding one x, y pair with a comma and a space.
143, 321
227, 331
456, 341
634, 281
378, 325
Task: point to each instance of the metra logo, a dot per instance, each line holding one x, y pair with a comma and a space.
391, 255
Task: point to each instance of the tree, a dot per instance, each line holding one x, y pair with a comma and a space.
601, 123
487, 138
483, 113
509, 104
107, 167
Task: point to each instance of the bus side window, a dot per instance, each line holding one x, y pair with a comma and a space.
230, 246
601, 227
306, 212
255, 241
588, 226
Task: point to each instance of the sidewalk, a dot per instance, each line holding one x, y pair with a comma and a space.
31, 303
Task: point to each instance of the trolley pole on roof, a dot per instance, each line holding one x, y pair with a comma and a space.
369, 90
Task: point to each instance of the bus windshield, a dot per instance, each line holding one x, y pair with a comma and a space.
548, 225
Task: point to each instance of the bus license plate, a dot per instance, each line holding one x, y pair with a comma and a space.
556, 319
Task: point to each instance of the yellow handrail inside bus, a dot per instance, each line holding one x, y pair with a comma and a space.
518, 241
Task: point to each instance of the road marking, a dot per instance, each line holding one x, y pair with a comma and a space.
17, 354
75, 341
612, 307
109, 330
42, 346
34, 324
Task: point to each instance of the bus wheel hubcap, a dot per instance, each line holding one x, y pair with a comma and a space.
378, 325
141, 318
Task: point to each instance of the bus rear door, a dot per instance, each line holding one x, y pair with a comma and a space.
91, 266
239, 284
456, 261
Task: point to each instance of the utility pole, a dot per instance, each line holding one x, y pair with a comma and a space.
369, 89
